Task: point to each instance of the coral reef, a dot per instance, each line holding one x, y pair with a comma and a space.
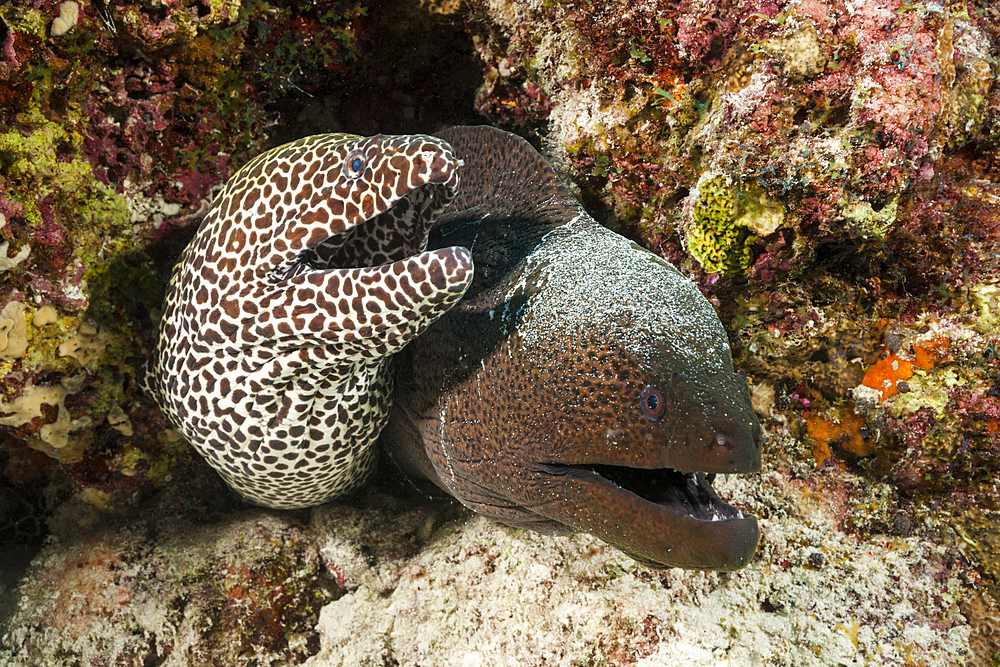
116, 121
829, 110
825, 169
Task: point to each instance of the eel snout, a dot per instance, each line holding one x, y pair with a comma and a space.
667, 516
438, 167
733, 449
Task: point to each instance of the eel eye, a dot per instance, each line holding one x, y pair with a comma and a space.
354, 165
653, 405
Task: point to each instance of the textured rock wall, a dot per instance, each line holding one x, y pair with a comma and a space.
824, 169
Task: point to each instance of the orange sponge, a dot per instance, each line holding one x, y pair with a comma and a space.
930, 353
843, 431
886, 373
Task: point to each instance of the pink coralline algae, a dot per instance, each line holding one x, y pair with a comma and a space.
831, 109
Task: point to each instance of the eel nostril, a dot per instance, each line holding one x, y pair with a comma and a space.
723, 440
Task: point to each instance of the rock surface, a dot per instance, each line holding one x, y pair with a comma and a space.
478, 593
246, 590
410, 581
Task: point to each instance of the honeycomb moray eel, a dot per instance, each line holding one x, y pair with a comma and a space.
281, 316
581, 384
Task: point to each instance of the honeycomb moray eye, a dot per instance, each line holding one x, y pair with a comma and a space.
354, 165
653, 405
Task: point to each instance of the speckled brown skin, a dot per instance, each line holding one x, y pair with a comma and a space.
530, 400
282, 314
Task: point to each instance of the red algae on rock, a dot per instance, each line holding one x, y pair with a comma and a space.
830, 110
118, 118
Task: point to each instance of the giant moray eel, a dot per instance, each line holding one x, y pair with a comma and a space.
281, 316
582, 383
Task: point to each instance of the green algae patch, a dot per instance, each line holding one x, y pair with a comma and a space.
69, 212
869, 223
726, 221
927, 390
43, 346
986, 301
155, 463
32, 167
719, 245
24, 20
979, 537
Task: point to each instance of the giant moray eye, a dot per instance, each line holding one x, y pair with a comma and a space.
652, 403
354, 165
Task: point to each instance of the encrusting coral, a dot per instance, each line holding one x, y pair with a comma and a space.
725, 222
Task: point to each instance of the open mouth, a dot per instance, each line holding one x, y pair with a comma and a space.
687, 493
403, 227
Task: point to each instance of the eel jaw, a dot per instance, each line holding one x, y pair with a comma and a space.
688, 493
660, 517
340, 251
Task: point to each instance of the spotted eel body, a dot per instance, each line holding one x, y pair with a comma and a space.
308, 273
581, 384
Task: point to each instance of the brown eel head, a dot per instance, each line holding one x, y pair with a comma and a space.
582, 384
607, 404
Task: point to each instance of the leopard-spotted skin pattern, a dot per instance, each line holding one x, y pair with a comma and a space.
279, 320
